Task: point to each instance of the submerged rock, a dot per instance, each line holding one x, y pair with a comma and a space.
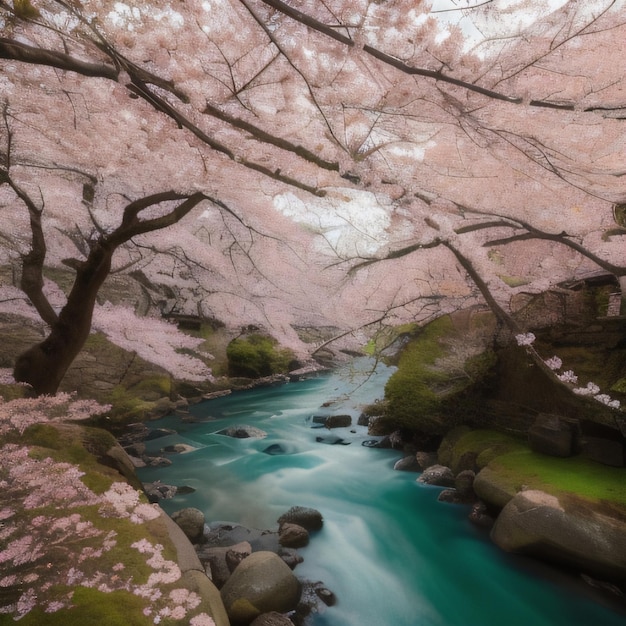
243, 431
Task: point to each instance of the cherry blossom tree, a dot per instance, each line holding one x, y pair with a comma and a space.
479, 151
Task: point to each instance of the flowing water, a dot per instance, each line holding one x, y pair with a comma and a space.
392, 554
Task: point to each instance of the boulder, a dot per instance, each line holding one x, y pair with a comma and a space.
191, 521
490, 487
308, 518
438, 475
293, 536
261, 583
407, 464
569, 530
243, 431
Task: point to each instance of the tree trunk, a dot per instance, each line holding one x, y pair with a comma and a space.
44, 365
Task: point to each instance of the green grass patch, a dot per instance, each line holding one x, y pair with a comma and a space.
574, 475
485, 444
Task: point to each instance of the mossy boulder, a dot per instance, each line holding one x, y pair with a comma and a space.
440, 372
256, 355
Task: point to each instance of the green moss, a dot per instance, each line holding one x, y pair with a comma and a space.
93, 608
432, 389
255, 356
574, 475
126, 406
484, 445
619, 386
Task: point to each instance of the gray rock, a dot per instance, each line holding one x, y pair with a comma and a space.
293, 536
191, 521
262, 583
338, 421
574, 532
407, 464
464, 485
438, 475
159, 491
307, 517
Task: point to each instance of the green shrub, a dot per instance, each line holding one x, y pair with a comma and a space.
257, 355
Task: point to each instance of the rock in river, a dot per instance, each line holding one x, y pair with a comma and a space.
261, 583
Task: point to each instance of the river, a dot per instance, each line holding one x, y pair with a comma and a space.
391, 553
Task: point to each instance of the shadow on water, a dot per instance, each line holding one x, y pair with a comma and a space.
392, 554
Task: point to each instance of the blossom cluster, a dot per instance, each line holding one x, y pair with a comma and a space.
525, 339
50, 536
591, 389
18, 415
154, 340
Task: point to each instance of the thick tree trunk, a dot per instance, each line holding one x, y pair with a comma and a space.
44, 365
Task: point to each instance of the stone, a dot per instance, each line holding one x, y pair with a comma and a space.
237, 553
338, 421
492, 489
261, 583
554, 435
464, 485
438, 475
159, 491
571, 531
293, 536
479, 515
191, 521
407, 464
332, 441
243, 431
272, 619
426, 459
179, 448
307, 517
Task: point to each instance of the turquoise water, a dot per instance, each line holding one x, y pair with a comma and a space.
392, 554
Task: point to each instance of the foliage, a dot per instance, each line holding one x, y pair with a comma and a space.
255, 356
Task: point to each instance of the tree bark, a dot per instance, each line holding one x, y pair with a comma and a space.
44, 365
